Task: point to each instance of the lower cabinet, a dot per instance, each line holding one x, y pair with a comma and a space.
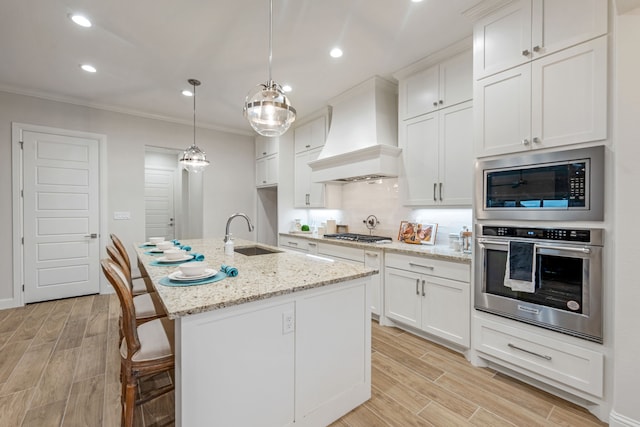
429, 295
298, 244
559, 361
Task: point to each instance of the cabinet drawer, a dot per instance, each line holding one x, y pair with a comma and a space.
434, 267
339, 251
558, 361
295, 243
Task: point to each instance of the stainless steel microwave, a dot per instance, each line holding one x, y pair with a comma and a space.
562, 186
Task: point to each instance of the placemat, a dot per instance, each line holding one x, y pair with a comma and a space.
165, 281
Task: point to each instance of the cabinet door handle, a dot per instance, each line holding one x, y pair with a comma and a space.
428, 267
371, 254
543, 356
440, 191
525, 52
306, 199
441, 102
293, 243
525, 141
423, 294
536, 48
307, 146
435, 186
435, 104
264, 153
536, 140
312, 244
417, 284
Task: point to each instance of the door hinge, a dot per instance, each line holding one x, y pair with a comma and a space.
22, 193
23, 287
21, 144
22, 240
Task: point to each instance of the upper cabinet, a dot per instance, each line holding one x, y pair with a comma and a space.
530, 29
438, 86
266, 146
540, 70
310, 135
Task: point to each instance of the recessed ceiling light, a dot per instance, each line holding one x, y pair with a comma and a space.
81, 20
416, 1
336, 52
187, 93
287, 88
88, 68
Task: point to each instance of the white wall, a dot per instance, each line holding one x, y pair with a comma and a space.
626, 126
228, 183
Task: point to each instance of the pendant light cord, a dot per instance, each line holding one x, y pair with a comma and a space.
270, 38
194, 114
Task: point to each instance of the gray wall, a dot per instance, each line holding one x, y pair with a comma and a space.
228, 183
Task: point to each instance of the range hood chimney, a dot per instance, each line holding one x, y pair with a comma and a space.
363, 136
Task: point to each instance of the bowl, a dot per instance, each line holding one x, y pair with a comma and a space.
174, 254
164, 245
156, 240
195, 268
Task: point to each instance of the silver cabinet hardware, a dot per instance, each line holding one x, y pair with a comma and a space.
561, 248
543, 356
536, 140
435, 104
423, 294
293, 243
536, 48
371, 254
312, 244
441, 102
92, 235
525, 141
440, 191
264, 153
428, 267
525, 52
435, 186
307, 146
417, 284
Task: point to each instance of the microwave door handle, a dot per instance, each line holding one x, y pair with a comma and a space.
483, 242
560, 248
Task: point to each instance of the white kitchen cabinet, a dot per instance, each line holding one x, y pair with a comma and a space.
310, 135
267, 171
530, 29
266, 146
371, 258
439, 86
429, 295
306, 193
549, 357
437, 153
557, 100
299, 244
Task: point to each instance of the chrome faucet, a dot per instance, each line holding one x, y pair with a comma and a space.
227, 236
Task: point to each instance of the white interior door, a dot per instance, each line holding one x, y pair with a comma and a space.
159, 203
61, 216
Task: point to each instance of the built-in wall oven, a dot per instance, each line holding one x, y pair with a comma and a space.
565, 292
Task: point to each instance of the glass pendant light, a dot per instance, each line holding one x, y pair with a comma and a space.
266, 107
194, 159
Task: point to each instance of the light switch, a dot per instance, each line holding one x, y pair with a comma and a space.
122, 215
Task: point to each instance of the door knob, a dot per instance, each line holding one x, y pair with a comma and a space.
92, 235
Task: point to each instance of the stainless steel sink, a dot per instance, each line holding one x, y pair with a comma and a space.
255, 250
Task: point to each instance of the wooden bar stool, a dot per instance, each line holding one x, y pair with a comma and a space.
145, 350
140, 285
123, 252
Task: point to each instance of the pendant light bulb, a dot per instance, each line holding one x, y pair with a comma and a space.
193, 158
266, 107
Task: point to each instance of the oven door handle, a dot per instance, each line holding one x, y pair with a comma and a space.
560, 248
583, 250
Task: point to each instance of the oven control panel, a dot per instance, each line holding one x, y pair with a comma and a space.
561, 234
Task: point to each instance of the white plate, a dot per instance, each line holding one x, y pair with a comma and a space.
177, 275
184, 258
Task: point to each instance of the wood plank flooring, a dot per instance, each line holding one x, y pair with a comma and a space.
59, 366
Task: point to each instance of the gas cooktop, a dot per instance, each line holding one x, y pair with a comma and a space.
363, 238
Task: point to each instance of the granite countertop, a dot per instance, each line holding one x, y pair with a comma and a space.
429, 251
260, 277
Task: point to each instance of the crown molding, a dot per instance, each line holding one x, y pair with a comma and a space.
484, 8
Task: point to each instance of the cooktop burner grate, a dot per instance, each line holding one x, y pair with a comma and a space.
354, 237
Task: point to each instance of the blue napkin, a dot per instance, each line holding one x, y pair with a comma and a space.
197, 256
228, 270
185, 248
175, 242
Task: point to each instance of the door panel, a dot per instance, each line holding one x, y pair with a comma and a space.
159, 203
61, 202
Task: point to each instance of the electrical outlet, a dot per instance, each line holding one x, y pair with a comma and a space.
288, 322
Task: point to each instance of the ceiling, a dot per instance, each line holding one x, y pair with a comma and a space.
145, 50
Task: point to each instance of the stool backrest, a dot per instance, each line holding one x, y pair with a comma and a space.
116, 257
123, 252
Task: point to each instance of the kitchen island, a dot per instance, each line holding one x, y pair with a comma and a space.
285, 343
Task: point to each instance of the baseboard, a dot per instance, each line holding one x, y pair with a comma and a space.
619, 420
9, 303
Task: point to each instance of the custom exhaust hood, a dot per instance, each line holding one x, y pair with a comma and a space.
363, 137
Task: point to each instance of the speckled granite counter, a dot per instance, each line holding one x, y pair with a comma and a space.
260, 277
436, 252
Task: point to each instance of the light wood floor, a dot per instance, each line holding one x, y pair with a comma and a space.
59, 366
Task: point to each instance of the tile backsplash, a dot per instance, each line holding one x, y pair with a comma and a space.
381, 198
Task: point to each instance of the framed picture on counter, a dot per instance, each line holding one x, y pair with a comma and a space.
417, 233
